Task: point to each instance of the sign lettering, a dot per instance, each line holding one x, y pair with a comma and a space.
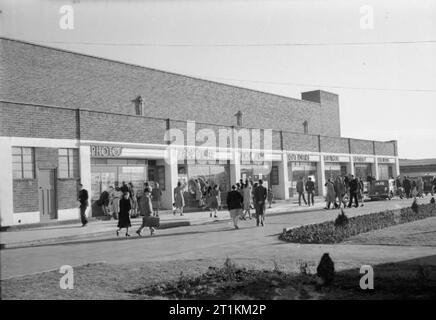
105, 151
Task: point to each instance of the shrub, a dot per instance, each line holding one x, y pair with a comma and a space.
415, 207
432, 201
329, 232
341, 220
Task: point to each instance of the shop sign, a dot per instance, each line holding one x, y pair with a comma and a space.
334, 158
386, 160
302, 157
105, 151
193, 154
363, 159
252, 157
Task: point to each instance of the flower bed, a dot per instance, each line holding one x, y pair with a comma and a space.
327, 232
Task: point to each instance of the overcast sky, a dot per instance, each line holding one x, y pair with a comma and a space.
387, 88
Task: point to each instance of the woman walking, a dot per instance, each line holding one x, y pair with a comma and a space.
179, 200
156, 196
247, 201
213, 201
330, 198
146, 211
116, 197
124, 217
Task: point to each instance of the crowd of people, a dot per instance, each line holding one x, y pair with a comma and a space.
412, 188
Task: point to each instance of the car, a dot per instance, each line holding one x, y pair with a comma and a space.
382, 189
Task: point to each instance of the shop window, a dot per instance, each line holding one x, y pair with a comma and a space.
23, 163
67, 163
275, 176
306, 127
161, 176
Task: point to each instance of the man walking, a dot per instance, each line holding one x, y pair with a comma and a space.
300, 190
83, 199
234, 204
407, 187
260, 195
310, 189
354, 188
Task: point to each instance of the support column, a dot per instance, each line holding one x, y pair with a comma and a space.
321, 177
283, 176
235, 167
376, 171
351, 168
6, 183
171, 177
85, 173
397, 167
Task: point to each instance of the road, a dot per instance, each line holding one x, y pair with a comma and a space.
212, 241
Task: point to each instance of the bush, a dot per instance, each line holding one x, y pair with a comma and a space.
341, 220
415, 207
329, 232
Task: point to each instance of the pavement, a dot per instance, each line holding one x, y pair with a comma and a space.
214, 241
63, 233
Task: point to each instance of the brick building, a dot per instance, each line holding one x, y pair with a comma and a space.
67, 118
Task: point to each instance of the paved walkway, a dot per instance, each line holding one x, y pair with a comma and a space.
70, 232
214, 241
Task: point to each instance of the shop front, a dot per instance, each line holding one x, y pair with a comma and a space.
253, 168
335, 166
385, 168
302, 166
363, 167
110, 168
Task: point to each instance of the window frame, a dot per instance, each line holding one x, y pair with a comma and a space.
71, 173
21, 155
273, 175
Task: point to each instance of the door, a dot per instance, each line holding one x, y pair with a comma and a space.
47, 194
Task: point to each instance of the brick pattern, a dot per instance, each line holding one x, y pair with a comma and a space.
25, 197
361, 146
385, 148
38, 122
91, 83
300, 142
67, 193
334, 145
125, 128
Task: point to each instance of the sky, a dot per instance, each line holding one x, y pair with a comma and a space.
383, 68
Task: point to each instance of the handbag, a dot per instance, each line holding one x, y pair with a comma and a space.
150, 221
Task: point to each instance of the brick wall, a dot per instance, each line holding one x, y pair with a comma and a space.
67, 193
300, 142
21, 120
334, 145
91, 83
25, 196
125, 128
385, 148
361, 146
329, 112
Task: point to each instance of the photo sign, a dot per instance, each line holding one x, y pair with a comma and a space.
105, 151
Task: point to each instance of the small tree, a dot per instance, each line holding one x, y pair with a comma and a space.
415, 207
341, 220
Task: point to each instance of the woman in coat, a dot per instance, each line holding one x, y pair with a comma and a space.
116, 197
330, 198
179, 200
124, 217
247, 200
213, 200
146, 211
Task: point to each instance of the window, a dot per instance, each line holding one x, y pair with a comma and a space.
22, 163
275, 176
68, 166
161, 176
139, 106
238, 116
306, 127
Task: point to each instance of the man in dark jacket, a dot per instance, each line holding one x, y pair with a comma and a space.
300, 190
310, 189
83, 199
407, 186
260, 195
354, 189
234, 204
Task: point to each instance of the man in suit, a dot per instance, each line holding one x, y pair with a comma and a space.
260, 195
354, 189
300, 190
310, 189
83, 199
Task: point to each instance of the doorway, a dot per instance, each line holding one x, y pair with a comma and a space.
47, 194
